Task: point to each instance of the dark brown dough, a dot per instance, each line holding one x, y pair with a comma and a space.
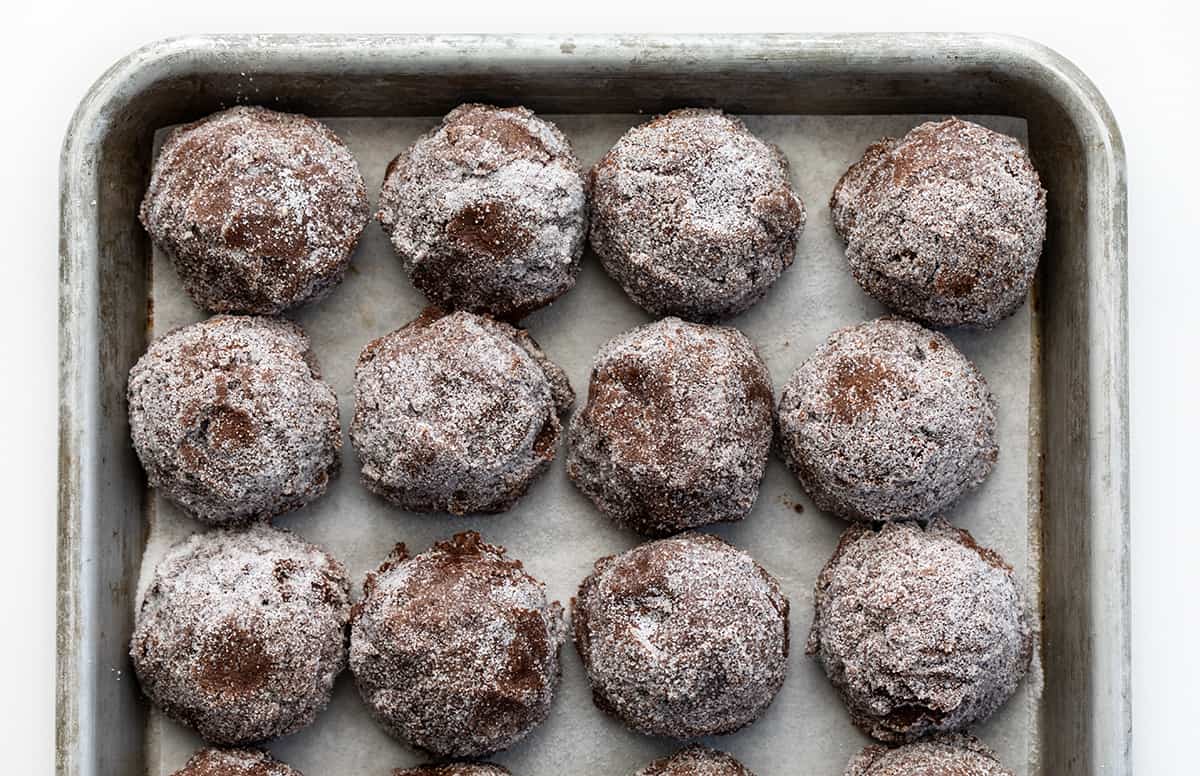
455, 650
682, 637
241, 634
260, 210
921, 630
677, 427
945, 224
456, 413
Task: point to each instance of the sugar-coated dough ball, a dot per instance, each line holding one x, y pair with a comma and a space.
887, 421
488, 212
232, 421
682, 637
234, 762
695, 760
259, 210
944, 225
241, 634
921, 630
454, 769
694, 216
677, 427
456, 413
942, 755
455, 650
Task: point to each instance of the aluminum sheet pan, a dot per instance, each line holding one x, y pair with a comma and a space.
1056, 506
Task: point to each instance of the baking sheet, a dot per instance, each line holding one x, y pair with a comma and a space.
557, 532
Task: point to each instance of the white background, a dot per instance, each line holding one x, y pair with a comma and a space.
1142, 55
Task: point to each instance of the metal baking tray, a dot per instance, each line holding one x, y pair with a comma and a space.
1057, 505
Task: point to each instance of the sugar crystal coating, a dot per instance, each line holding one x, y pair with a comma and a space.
454, 769
695, 760
234, 762
456, 413
455, 650
942, 755
887, 420
945, 224
921, 630
240, 634
259, 210
232, 421
677, 427
694, 216
488, 211
682, 637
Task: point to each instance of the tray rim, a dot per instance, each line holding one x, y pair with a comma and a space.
1107, 379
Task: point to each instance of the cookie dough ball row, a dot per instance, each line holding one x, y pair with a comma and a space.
454, 413
692, 214
241, 634
459, 413
886, 421
260, 211
488, 212
960, 755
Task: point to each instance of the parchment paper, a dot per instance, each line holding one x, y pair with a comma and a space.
557, 532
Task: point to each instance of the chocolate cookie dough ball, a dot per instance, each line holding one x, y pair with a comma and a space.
454, 769
677, 427
695, 760
945, 224
694, 216
887, 421
456, 413
234, 762
232, 421
682, 637
945, 755
259, 210
241, 634
456, 650
488, 212
921, 630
